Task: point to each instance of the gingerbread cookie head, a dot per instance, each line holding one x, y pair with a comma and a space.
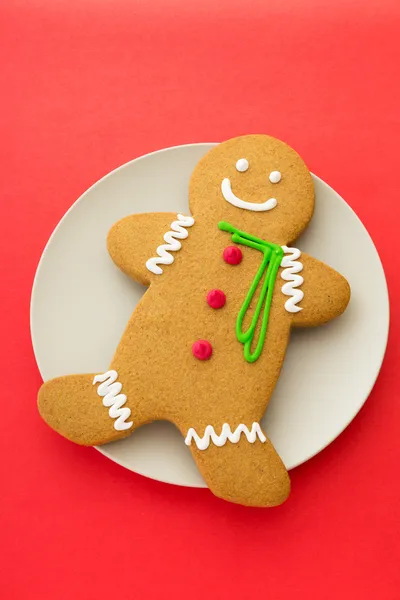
257, 182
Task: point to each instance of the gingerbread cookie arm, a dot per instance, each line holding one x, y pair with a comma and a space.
142, 245
326, 293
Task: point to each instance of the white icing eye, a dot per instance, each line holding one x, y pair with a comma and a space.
275, 177
242, 165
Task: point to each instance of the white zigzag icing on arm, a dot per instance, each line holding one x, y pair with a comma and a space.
226, 434
173, 244
109, 390
292, 266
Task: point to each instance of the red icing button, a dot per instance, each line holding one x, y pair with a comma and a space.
233, 255
202, 349
216, 298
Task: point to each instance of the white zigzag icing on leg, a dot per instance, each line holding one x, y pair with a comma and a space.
226, 434
109, 390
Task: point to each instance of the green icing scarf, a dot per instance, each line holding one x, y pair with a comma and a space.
272, 258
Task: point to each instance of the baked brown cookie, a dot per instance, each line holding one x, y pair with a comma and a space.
205, 345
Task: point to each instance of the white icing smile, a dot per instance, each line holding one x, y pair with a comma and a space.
230, 197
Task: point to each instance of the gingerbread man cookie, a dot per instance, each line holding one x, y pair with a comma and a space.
205, 345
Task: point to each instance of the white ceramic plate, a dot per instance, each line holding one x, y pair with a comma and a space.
81, 303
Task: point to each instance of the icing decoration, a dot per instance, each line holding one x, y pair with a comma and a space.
235, 201
233, 255
292, 266
242, 165
216, 298
275, 177
272, 257
173, 244
109, 389
202, 349
226, 434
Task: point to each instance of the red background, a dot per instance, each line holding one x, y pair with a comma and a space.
90, 85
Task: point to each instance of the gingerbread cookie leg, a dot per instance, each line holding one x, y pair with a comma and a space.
87, 409
240, 465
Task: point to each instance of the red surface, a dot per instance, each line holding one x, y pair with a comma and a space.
90, 85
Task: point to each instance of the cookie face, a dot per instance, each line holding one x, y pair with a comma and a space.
206, 343
258, 183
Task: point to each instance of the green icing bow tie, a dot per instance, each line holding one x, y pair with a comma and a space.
272, 258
